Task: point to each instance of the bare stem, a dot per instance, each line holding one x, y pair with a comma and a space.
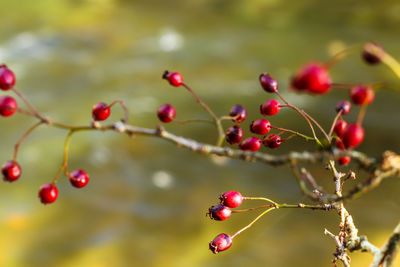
30, 105
25, 135
124, 107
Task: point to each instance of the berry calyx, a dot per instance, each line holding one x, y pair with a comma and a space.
312, 77
8, 106
260, 126
362, 94
239, 113
250, 144
373, 53
353, 135
269, 84
220, 243
339, 127
11, 171
272, 141
234, 134
219, 212
231, 199
7, 78
100, 111
166, 113
344, 160
79, 178
48, 193
174, 78
270, 107
343, 106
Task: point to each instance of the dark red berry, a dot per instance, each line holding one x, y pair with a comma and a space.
250, 144
373, 53
231, 199
79, 178
234, 135
174, 78
344, 160
219, 212
353, 135
343, 106
48, 193
7, 78
270, 107
220, 243
100, 111
339, 144
362, 94
8, 106
11, 171
339, 127
272, 141
239, 113
268, 83
312, 77
166, 113
260, 126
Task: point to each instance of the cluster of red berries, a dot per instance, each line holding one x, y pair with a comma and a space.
8, 105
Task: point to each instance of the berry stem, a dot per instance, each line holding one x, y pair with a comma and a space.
64, 166
293, 132
194, 120
30, 105
262, 198
25, 135
333, 124
361, 114
392, 63
339, 56
124, 107
345, 86
255, 208
250, 224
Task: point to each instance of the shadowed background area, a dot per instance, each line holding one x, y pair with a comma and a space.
146, 201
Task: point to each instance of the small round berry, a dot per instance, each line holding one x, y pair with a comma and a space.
48, 193
7, 78
11, 171
343, 106
101, 111
260, 126
219, 212
8, 106
268, 83
166, 113
270, 107
79, 178
231, 199
312, 77
353, 135
239, 113
362, 94
344, 160
220, 243
174, 78
272, 141
250, 144
373, 53
339, 127
234, 135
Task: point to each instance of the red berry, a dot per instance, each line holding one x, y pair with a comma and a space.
7, 78
343, 106
234, 135
101, 111
270, 107
250, 144
362, 94
79, 178
48, 193
339, 127
11, 171
339, 144
312, 77
260, 126
166, 113
239, 112
174, 78
220, 243
219, 212
344, 160
353, 135
268, 83
8, 106
373, 53
272, 141
231, 199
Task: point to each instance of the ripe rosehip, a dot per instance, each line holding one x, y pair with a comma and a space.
239, 112
362, 94
174, 78
220, 243
272, 141
343, 106
270, 107
219, 212
339, 127
166, 113
48, 193
234, 135
312, 77
231, 199
353, 135
11, 171
8, 106
344, 160
268, 83
260, 126
100, 111
372, 53
79, 178
250, 144
7, 78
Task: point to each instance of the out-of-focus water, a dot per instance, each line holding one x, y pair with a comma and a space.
146, 201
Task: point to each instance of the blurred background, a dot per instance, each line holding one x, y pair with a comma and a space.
146, 201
